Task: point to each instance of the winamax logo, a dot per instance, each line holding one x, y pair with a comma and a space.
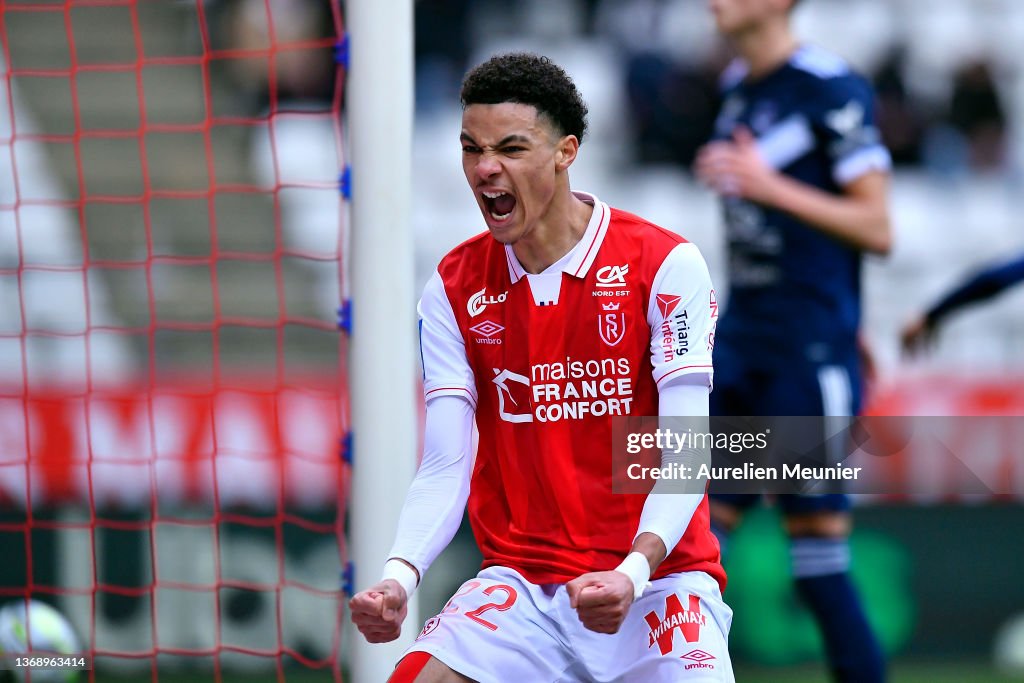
688, 621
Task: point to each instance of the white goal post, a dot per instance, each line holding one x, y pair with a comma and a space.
382, 350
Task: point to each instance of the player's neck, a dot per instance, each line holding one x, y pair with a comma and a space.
766, 48
555, 235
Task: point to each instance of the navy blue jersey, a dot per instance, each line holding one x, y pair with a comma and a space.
794, 291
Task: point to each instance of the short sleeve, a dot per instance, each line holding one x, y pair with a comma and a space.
682, 313
845, 120
446, 369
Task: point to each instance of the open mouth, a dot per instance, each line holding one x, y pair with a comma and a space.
499, 204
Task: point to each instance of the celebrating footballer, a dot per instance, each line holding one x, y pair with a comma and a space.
563, 315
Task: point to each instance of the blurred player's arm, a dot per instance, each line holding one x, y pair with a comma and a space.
983, 285
437, 497
840, 117
859, 217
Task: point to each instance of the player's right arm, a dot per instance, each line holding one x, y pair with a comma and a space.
842, 118
437, 497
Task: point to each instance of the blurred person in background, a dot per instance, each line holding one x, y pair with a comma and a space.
442, 48
803, 177
900, 119
971, 135
976, 112
979, 287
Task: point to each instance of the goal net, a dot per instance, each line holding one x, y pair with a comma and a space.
172, 408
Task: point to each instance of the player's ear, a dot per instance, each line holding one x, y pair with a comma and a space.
565, 153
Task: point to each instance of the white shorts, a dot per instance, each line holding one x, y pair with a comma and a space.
499, 627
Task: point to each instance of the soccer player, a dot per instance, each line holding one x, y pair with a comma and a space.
563, 315
979, 287
803, 178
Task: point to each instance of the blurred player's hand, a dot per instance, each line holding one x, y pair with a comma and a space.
601, 599
916, 335
735, 168
378, 611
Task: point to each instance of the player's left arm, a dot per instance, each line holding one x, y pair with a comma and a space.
682, 315
843, 124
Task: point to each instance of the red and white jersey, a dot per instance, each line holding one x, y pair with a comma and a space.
548, 360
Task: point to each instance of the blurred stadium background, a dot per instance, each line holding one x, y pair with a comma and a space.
172, 255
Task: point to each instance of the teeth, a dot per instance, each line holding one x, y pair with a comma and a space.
494, 195
501, 217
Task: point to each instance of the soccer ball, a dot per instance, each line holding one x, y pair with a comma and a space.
51, 635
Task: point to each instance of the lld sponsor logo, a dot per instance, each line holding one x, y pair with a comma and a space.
479, 301
688, 621
612, 324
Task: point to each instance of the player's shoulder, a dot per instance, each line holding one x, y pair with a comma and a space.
470, 263
648, 245
820, 63
475, 246
826, 72
629, 226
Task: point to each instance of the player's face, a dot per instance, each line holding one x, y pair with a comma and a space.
511, 158
735, 17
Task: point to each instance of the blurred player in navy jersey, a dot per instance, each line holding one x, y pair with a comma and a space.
979, 287
803, 178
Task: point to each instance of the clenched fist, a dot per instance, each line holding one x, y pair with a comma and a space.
601, 599
378, 611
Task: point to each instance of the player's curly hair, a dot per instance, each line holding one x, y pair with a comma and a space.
525, 78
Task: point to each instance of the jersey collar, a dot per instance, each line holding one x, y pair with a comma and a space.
579, 259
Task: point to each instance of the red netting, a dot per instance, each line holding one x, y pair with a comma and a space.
172, 409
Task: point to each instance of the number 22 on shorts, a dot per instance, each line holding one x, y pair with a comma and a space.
469, 587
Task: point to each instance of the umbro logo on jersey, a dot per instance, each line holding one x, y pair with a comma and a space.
479, 301
667, 303
487, 329
612, 276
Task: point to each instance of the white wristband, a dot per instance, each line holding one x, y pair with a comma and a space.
402, 573
638, 569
